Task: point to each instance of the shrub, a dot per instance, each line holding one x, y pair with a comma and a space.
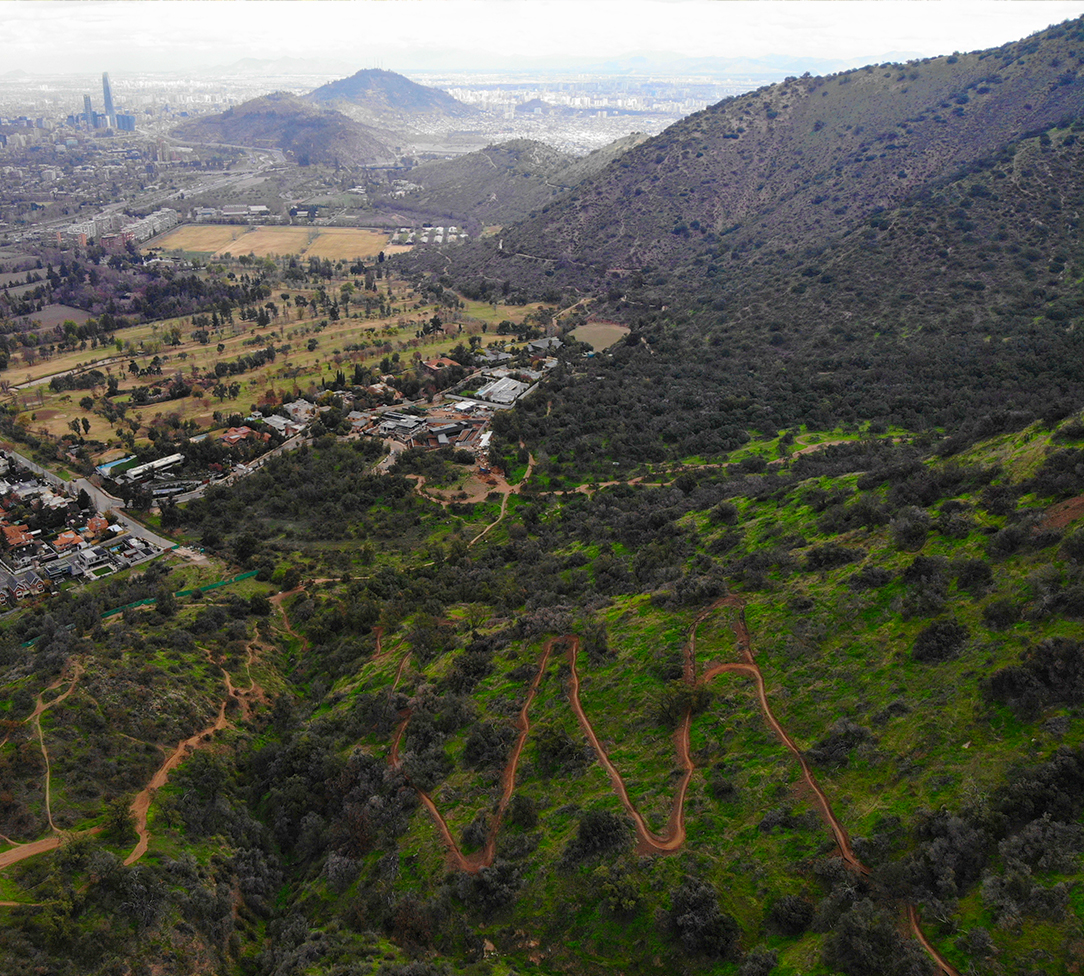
599, 831
870, 578
830, 555
1000, 614
834, 749
909, 527
791, 915
695, 918
940, 641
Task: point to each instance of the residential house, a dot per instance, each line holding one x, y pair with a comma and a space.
300, 411
67, 540
97, 526
439, 365
542, 347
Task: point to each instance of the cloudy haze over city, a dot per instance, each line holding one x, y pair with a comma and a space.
479, 34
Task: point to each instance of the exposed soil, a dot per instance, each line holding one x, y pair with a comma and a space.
673, 838
142, 802
1063, 514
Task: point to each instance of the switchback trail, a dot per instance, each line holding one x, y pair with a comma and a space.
750, 667
673, 838
140, 806
482, 858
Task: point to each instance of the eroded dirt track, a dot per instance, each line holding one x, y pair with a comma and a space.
673, 838
142, 803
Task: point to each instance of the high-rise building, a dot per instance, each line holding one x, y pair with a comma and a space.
108, 96
88, 112
126, 123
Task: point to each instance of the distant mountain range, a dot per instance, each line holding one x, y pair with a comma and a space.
350, 121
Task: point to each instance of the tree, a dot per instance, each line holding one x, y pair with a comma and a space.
695, 918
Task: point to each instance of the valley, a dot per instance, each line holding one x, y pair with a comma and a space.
682, 570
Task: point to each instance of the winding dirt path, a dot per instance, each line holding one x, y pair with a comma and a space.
673, 838
277, 601
751, 668
648, 842
40, 707
483, 857
506, 491
20, 852
142, 803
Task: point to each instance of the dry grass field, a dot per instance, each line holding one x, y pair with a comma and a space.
202, 238
333, 243
600, 335
264, 241
346, 243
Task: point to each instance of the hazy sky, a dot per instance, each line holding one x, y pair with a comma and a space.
96, 35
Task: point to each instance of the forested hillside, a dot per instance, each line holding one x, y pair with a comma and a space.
754, 650
794, 164
780, 716
807, 283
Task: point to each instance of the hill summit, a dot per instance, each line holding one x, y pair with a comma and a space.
385, 96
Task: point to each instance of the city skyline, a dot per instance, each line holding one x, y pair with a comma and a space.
436, 35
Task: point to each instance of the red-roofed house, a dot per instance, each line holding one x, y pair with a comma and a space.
17, 535
67, 540
237, 434
96, 526
439, 365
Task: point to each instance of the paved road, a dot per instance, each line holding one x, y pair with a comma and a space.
103, 501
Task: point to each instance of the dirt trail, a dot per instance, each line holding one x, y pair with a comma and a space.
40, 707
506, 491
916, 930
277, 601
673, 838
399, 671
23, 851
142, 802
750, 667
648, 842
243, 696
482, 858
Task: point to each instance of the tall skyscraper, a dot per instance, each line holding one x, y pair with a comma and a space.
108, 95
88, 112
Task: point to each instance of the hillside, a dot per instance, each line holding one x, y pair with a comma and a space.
948, 298
502, 183
283, 121
496, 185
794, 164
389, 100
780, 716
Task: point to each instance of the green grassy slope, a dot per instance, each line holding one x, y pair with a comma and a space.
915, 621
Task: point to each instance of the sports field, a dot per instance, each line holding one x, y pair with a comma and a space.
217, 240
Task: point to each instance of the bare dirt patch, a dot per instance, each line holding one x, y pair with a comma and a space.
600, 335
1064, 513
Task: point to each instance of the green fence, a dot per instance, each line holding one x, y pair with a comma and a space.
150, 601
